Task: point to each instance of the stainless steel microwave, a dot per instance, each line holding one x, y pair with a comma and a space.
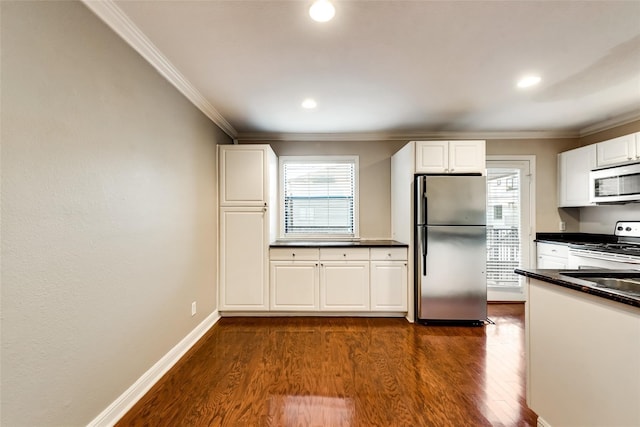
618, 184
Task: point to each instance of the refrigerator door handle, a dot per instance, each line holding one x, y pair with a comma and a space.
423, 238
425, 205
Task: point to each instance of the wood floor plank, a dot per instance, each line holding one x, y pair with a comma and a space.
348, 372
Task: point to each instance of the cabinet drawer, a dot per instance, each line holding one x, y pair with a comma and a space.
344, 254
293, 254
389, 254
551, 249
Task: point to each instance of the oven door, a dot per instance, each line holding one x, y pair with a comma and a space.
615, 185
582, 260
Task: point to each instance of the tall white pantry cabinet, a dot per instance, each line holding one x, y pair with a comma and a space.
248, 220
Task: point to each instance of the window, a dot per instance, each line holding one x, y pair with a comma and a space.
319, 196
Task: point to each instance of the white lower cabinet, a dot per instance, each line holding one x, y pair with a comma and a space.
344, 285
338, 279
243, 259
552, 256
388, 286
294, 286
389, 291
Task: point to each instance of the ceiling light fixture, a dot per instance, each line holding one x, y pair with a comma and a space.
528, 81
309, 104
322, 11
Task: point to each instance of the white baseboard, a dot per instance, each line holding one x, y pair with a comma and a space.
543, 423
126, 400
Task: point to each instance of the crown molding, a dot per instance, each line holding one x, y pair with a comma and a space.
119, 22
411, 136
610, 123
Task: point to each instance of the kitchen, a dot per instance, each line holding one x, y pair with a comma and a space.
110, 219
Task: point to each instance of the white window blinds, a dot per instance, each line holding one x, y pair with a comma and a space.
319, 197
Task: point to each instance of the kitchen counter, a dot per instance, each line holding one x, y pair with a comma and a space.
582, 285
336, 244
582, 348
577, 238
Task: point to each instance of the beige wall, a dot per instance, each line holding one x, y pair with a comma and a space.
375, 177
375, 172
108, 215
548, 216
611, 133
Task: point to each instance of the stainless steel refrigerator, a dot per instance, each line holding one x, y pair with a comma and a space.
450, 248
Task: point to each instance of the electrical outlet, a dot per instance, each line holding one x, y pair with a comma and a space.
193, 308
563, 226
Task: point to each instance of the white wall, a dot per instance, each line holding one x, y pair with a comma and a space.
108, 215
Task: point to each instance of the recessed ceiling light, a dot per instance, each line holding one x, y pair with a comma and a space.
528, 81
309, 103
322, 11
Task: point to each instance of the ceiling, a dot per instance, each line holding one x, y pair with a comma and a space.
394, 67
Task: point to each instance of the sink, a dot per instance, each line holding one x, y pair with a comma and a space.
625, 285
626, 282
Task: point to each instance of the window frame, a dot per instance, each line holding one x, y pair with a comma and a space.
356, 197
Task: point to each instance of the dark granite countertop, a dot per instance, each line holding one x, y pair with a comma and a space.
336, 244
582, 285
577, 238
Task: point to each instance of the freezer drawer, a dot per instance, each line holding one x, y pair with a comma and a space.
452, 284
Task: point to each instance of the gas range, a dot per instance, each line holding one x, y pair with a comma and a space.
626, 248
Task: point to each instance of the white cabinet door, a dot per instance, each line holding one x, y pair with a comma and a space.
554, 263
467, 157
450, 156
344, 286
244, 272
432, 156
617, 150
573, 176
388, 286
244, 175
554, 256
294, 286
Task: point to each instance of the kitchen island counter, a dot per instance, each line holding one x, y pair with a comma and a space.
557, 277
582, 347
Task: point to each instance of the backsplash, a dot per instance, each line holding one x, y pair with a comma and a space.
602, 219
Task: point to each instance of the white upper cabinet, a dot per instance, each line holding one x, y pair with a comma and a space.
619, 150
450, 156
573, 176
245, 174
432, 156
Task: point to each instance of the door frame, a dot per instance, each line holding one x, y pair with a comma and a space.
530, 262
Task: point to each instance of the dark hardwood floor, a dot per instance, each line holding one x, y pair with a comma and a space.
346, 372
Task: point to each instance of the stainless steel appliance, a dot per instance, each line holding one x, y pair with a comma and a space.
622, 254
618, 184
450, 248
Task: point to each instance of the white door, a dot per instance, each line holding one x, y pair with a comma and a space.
509, 232
243, 259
